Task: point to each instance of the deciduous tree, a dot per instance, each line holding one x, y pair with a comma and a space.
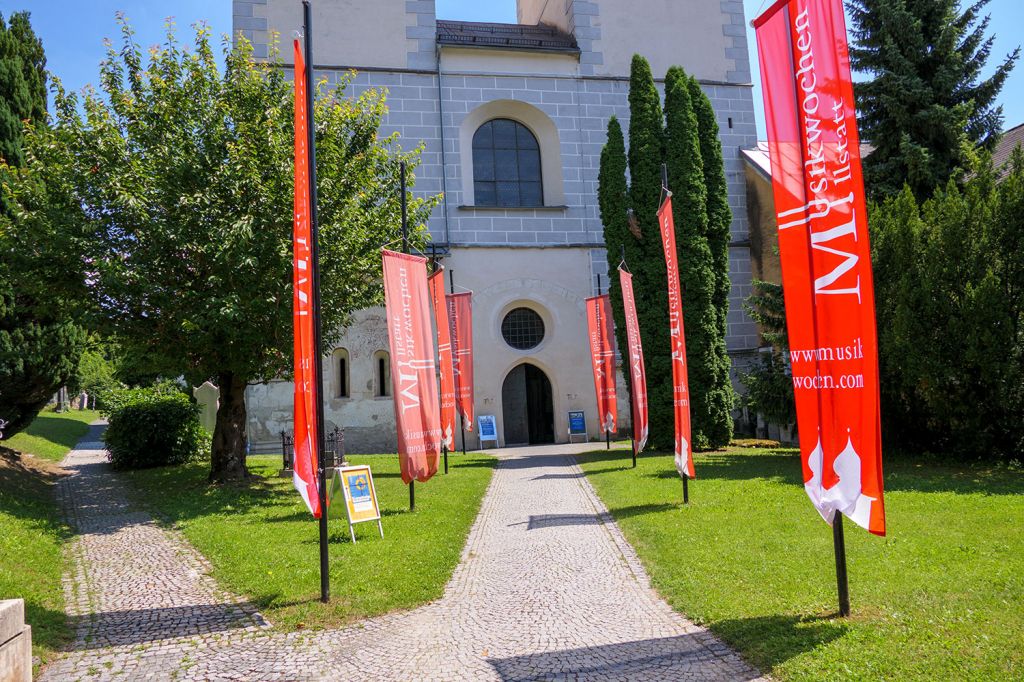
184, 175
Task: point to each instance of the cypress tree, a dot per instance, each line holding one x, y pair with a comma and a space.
719, 219
613, 202
646, 153
22, 84
925, 109
39, 346
697, 280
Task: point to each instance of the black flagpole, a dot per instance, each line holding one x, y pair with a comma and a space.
433, 265
325, 579
600, 417
840, 548
664, 190
405, 249
462, 418
629, 371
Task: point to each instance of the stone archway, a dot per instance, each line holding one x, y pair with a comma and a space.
526, 405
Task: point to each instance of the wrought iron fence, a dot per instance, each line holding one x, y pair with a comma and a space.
334, 449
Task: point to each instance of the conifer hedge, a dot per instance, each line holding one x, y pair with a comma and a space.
673, 137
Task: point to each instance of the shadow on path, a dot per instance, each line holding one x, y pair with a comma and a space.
650, 659
140, 626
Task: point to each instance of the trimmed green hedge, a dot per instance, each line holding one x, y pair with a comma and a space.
151, 428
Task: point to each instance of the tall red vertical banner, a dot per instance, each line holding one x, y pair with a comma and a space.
460, 312
680, 383
444, 357
636, 369
602, 359
413, 379
826, 259
306, 390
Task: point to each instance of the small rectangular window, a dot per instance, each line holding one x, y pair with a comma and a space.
342, 378
382, 377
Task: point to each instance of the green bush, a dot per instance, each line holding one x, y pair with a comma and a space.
151, 427
949, 283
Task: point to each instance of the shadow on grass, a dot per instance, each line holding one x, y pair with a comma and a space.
641, 509
57, 429
769, 641
783, 466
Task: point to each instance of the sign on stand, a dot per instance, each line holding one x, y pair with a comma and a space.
578, 426
360, 497
488, 429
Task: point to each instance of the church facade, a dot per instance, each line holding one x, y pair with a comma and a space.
512, 118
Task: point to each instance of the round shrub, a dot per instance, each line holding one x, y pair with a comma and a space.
151, 428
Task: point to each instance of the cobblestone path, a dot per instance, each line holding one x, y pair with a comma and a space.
547, 590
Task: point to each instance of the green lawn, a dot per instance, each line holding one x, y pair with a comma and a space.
31, 533
942, 597
262, 541
31, 527
51, 435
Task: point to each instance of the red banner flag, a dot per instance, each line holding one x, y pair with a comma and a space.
413, 378
680, 383
460, 312
602, 359
637, 371
826, 259
444, 356
306, 391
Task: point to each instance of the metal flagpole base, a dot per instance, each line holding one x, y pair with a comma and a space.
446, 460
686, 490
412, 495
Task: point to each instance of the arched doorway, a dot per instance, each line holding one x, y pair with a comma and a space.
526, 406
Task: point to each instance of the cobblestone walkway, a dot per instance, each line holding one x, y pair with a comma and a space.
547, 590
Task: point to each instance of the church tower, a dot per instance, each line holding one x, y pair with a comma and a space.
512, 118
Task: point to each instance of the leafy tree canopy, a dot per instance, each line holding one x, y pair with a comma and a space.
180, 178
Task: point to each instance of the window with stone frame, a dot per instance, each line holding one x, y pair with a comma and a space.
342, 374
506, 165
381, 374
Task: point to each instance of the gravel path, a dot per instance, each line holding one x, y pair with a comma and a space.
547, 589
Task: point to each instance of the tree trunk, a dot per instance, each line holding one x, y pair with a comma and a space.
227, 460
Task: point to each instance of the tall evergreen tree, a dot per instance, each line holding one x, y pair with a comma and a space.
926, 108
646, 154
697, 280
719, 220
22, 84
613, 202
39, 345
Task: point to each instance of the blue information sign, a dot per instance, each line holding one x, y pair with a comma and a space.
488, 427
577, 424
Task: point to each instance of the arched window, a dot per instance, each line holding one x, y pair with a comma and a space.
506, 165
381, 374
341, 373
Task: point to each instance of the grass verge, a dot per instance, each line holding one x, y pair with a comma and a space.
941, 597
262, 541
51, 435
31, 534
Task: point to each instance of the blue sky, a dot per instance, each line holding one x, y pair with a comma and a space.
73, 32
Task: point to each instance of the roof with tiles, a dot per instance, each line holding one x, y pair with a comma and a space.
505, 36
1010, 140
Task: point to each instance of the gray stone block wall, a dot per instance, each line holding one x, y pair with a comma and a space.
249, 17
579, 107
734, 26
